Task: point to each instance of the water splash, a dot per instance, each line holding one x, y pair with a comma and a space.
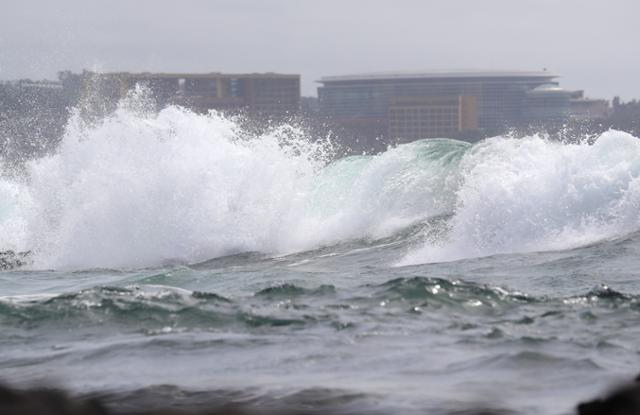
141, 188
535, 195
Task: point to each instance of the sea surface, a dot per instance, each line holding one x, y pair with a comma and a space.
175, 259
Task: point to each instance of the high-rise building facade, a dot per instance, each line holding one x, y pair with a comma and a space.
406, 106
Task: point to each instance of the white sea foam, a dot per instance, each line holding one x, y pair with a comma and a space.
142, 188
534, 195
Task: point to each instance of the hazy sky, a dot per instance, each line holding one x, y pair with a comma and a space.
592, 44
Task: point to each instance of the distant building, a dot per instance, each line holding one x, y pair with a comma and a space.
626, 115
309, 106
406, 106
543, 104
581, 108
267, 95
413, 118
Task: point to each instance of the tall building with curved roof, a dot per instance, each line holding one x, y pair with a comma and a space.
404, 106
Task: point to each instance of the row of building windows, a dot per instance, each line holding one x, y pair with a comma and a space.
499, 102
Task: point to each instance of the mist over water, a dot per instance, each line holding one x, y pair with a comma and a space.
429, 277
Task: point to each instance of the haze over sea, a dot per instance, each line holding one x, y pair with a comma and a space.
172, 253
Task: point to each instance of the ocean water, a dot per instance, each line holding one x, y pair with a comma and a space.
174, 258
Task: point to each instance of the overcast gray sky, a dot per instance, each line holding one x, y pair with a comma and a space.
592, 44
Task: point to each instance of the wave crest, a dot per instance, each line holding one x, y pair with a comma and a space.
536, 195
142, 188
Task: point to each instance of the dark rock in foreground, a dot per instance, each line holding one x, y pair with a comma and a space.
623, 401
45, 402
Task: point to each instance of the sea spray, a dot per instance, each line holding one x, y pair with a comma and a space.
142, 188
139, 189
533, 194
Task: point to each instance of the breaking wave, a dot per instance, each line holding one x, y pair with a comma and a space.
532, 194
144, 188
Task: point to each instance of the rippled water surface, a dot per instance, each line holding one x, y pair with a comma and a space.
171, 256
